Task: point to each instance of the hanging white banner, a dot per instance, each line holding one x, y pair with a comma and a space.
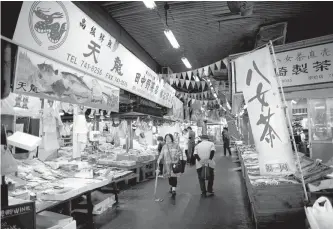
62, 31
267, 119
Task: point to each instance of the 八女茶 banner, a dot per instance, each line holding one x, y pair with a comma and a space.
267, 119
62, 31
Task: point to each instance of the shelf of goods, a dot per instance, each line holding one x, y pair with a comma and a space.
275, 201
60, 180
138, 161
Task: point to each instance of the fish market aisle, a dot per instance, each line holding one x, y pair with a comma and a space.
228, 209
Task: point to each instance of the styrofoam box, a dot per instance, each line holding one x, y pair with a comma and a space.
52, 220
24, 141
71, 225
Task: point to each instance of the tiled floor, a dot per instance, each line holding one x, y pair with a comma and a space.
228, 209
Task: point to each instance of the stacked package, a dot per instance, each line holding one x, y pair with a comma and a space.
251, 163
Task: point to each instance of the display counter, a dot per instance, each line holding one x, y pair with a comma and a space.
274, 201
279, 201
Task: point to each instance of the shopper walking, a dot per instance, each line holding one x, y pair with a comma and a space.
226, 141
191, 144
161, 143
184, 144
204, 153
172, 156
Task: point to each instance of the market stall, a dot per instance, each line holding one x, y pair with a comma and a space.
278, 201
281, 182
308, 91
79, 154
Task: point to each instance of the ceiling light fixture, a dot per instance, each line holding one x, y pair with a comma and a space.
149, 4
186, 62
169, 34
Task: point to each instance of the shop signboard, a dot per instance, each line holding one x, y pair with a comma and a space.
300, 67
307, 66
19, 216
38, 76
266, 113
62, 31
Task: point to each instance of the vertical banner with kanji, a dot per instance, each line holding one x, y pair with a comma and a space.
267, 119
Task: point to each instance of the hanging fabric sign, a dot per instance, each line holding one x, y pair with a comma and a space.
43, 78
59, 29
266, 115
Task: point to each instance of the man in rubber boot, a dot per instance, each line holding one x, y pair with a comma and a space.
204, 154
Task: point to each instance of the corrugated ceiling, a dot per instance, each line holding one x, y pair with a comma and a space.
196, 26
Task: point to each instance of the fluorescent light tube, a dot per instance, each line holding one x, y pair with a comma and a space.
186, 62
149, 4
168, 33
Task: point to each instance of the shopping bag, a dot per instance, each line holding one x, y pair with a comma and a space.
205, 172
183, 165
322, 211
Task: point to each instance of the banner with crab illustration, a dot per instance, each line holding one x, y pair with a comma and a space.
40, 77
266, 114
61, 31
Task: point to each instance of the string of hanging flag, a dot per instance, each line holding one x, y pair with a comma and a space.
199, 79
190, 77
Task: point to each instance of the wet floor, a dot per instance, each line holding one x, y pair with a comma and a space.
228, 209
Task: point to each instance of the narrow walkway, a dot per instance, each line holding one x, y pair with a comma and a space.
228, 209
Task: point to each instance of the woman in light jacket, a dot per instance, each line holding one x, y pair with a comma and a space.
171, 154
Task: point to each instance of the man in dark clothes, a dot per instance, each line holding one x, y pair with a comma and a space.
191, 144
204, 154
226, 141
